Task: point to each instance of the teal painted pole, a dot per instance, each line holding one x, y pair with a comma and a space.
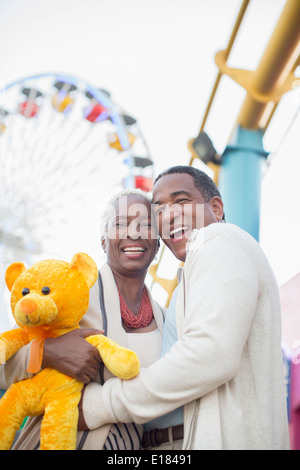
240, 179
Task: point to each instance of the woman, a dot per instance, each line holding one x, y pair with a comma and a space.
121, 306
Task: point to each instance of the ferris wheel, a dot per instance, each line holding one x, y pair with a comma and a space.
65, 146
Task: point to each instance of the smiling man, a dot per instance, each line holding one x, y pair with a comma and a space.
219, 383
191, 201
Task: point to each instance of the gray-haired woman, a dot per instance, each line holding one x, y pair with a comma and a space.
121, 306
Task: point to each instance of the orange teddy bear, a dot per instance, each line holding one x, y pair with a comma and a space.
48, 300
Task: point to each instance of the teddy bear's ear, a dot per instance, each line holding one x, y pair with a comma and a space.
12, 273
86, 266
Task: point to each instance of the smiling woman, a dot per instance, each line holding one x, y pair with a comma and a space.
131, 243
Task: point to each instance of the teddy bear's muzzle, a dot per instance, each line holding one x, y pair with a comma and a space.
35, 310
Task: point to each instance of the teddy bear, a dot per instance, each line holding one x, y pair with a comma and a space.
48, 300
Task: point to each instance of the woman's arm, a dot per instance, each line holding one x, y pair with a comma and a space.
15, 368
14, 353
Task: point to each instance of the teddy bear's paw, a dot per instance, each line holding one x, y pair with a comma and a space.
120, 361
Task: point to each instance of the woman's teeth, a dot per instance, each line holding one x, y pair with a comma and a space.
134, 249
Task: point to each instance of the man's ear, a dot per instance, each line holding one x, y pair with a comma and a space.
86, 266
12, 273
217, 207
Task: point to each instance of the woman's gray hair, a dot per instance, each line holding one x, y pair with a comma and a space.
107, 211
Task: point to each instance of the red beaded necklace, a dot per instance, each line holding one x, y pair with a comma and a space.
144, 317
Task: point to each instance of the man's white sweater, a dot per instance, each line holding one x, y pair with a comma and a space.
226, 368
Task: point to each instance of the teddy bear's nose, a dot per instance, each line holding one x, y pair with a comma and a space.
28, 306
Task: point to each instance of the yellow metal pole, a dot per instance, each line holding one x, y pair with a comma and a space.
276, 65
231, 42
226, 54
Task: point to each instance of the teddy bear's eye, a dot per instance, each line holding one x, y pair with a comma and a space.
25, 291
46, 290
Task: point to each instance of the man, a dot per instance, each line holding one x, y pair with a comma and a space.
221, 374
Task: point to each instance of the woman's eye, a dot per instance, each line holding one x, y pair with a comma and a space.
46, 290
25, 291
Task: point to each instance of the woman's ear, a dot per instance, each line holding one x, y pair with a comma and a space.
217, 207
103, 244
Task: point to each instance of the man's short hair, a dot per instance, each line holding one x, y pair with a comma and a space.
202, 181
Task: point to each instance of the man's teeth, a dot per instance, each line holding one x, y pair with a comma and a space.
177, 230
134, 249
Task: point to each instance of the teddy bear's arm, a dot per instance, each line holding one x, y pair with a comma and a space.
10, 342
120, 361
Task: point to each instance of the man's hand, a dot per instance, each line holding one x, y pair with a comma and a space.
72, 355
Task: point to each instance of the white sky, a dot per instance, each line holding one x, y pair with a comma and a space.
157, 59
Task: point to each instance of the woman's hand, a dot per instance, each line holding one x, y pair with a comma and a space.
71, 355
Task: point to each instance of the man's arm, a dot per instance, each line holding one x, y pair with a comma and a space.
72, 355
222, 291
